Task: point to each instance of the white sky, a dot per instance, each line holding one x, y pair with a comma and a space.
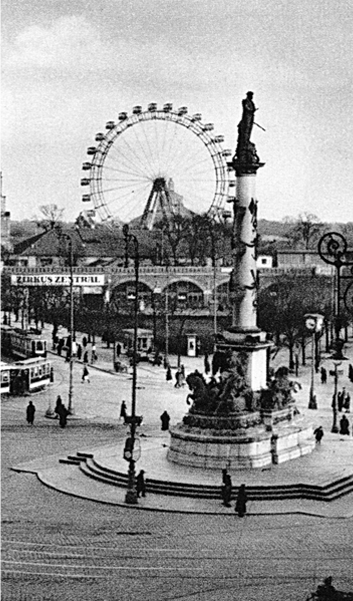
71, 65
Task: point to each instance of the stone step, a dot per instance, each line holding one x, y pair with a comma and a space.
327, 492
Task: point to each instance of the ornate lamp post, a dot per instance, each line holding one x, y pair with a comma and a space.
332, 250
313, 322
134, 420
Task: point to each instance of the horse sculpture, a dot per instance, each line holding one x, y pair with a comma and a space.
203, 395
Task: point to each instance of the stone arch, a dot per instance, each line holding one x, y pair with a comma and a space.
123, 294
222, 295
184, 294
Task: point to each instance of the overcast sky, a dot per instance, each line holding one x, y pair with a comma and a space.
71, 65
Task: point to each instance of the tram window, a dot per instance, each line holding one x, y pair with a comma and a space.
39, 345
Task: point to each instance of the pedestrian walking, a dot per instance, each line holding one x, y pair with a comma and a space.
177, 379
85, 375
323, 373
85, 357
79, 352
57, 406
165, 419
141, 484
169, 374
84, 341
226, 488
318, 433
118, 350
63, 413
344, 425
207, 364
30, 411
123, 410
93, 354
240, 505
60, 346
347, 403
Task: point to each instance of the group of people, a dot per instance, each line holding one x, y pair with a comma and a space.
61, 412
226, 490
60, 344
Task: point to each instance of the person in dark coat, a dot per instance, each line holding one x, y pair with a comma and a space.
165, 419
323, 373
169, 374
85, 357
240, 505
30, 411
63, 413
141, 484
207, 364
177, 379
340, 401
123, 410
84, 341
118, 350
79, 352
58, 405
318, 433
226, 488
60, 346
344, 425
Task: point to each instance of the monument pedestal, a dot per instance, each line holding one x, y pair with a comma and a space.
249, 440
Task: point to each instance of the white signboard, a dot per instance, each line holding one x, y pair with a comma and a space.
53, 279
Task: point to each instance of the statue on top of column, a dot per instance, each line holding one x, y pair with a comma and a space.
246, 151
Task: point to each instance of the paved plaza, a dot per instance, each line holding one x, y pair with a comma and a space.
60, 546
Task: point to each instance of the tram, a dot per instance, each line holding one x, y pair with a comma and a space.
4, 378
22, 343
30, 375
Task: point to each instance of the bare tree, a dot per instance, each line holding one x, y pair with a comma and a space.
305, 230
50, 216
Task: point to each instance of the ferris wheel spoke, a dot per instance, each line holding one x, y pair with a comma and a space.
147, 159
144, 165
172, 151
150, 151
126, 160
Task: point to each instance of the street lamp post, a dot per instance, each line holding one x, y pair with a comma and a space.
71, 327
333, 251
313, 322
131, 493
334, 428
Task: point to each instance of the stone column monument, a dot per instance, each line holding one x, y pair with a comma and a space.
241, 417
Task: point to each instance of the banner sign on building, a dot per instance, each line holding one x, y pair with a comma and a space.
52, 279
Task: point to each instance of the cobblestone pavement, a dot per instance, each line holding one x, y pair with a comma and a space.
56, 547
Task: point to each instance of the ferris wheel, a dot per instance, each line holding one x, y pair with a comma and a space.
157, 161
